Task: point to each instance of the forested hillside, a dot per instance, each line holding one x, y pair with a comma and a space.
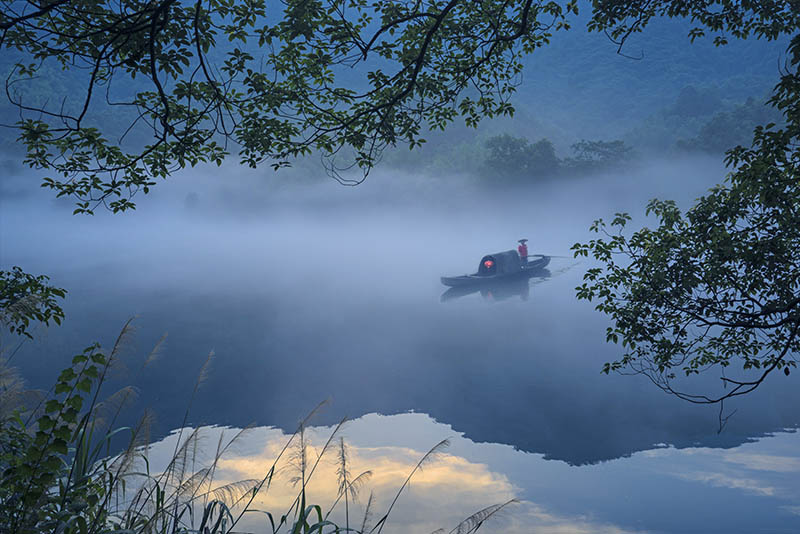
659, 94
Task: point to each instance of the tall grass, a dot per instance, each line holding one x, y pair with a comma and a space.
57, 473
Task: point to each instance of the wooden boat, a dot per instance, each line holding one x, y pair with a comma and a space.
500, 266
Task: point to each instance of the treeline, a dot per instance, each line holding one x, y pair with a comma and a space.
729, 128
703, 120
516, 159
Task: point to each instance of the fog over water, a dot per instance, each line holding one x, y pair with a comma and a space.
315, 292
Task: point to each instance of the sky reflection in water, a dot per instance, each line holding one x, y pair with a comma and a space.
750, 489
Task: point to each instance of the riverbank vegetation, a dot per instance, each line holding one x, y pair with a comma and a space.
66, 467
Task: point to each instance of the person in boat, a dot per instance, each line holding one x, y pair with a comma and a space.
523, 251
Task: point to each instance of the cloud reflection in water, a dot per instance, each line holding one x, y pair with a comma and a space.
661, 490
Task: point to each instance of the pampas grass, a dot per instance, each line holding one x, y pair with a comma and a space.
88, 491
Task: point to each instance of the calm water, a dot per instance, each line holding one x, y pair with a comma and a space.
333, 294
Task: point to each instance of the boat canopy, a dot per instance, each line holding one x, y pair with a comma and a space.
500, 263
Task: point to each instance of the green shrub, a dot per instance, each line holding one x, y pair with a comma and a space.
518, 159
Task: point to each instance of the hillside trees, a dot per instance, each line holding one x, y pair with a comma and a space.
598, 155
516, 160
512, 157
727, 129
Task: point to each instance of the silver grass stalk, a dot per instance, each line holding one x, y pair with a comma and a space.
353, 488
156, 352
428, 455
268, 476
367, 513
476, 520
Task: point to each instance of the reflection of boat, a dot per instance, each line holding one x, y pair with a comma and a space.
500, 266
497, 290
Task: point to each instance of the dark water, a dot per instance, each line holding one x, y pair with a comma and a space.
333, 294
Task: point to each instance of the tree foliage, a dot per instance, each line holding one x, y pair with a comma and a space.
516, 157
25, 298
274, 81
718, 285
727, 129
598, 155
767, 19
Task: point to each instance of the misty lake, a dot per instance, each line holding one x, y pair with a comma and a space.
325, 293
